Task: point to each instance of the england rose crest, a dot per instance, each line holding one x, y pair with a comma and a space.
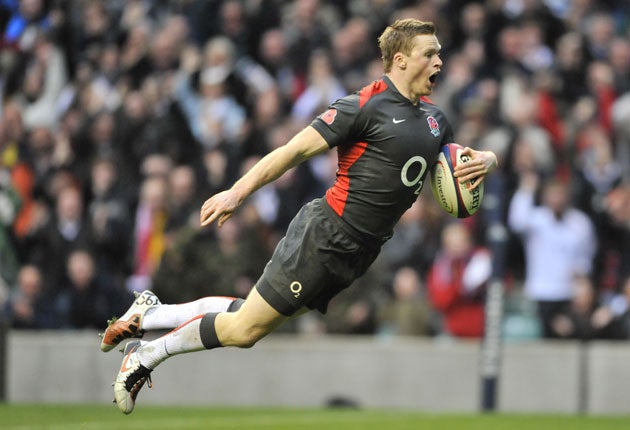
434, 126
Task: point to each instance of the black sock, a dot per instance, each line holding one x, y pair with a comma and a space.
235, 305
208, 332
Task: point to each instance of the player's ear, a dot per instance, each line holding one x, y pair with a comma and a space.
400, 60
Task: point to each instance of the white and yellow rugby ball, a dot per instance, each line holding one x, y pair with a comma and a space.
452, 195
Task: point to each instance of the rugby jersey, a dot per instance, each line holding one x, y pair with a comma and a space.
386, 146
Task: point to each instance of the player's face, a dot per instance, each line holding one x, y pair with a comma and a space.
423, 65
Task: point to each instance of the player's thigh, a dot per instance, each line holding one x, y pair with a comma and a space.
255, 319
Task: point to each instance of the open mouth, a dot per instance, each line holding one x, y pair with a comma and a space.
433, 77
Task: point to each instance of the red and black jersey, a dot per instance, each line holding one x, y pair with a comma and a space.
386, 146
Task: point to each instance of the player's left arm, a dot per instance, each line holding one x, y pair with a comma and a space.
480, 165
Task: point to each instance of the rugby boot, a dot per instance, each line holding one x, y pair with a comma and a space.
130, 324
131, 378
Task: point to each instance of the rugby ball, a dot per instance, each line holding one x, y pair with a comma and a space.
451, 194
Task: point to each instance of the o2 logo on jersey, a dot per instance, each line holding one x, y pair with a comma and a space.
329, 116
417, 181
434, 126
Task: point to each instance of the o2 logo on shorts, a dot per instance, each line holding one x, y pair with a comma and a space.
296, 288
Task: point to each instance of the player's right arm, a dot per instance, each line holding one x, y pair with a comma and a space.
304, 145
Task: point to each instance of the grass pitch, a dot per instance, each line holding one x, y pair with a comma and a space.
75, 417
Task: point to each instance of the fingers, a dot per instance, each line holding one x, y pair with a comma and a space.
470, 170
208, 212
473, 172
472, 185
215, 208
226, 216
208, 219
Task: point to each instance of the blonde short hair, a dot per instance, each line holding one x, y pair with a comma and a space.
398, 38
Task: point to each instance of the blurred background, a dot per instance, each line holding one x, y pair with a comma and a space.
119, 118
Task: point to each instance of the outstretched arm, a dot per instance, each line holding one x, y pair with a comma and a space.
304, 145
481, 163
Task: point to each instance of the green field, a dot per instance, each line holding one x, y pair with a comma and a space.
72, 417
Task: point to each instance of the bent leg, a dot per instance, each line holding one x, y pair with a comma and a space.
242, 328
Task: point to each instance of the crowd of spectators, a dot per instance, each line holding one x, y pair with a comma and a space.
119, 118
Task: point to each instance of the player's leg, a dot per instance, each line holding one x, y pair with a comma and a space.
243, 328
148, 313
293, 277
254, 320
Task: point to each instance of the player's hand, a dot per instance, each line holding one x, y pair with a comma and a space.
474, 171
221, 206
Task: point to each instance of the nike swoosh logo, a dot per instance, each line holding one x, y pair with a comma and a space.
123, 367
398, 121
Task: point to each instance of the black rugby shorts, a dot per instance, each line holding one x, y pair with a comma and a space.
314, 261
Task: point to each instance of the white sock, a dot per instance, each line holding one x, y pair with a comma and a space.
185, 338
171, 316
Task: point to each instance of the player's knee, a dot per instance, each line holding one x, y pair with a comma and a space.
249, 336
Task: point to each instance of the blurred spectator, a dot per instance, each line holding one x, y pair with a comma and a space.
149, 240
456, 282
355, 309
273, 54
183, 202
600, 81
416, 238
27, 19
9, 207
279, 201
214, 116
93, 28
88, 298
207, 263
536, 55
244, 79
38, 155
472, 23
599, 29
66, 230
582, 319
215, 166
570, 67
617, 205
269, 112
615, 315
323, 88
109, 212
406, 313
306, 23
28, 306
559, 243
44, 78
351, 53
598, 172
234, 25
619, 57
